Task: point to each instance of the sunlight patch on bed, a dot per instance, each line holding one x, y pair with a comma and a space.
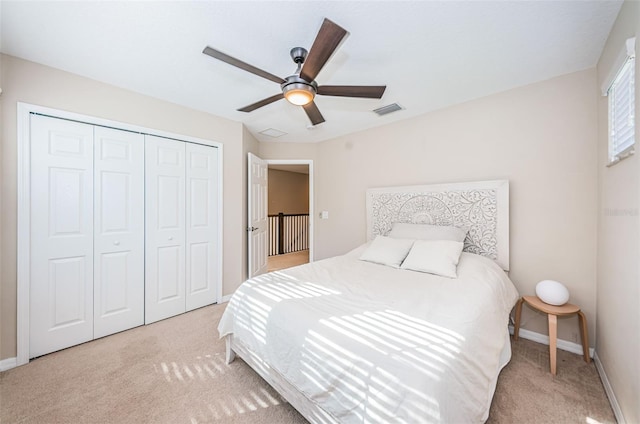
333, 361
422, 330
355, 381
253, 314
332, 369
423, 325
384, 344
286, 291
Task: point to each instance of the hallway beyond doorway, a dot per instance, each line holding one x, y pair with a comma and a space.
288, 260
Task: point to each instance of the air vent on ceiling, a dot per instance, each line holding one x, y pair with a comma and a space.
271, 132
385, 110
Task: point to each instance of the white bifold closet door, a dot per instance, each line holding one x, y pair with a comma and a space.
165, 228
181, 227
87, 233
202, 225
118, 231
61, 270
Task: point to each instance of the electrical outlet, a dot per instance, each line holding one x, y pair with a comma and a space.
574, 337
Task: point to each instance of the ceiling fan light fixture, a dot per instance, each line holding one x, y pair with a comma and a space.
299, 94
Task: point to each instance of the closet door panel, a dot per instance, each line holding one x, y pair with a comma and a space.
119, 231
202, 225
165, 228
61, 291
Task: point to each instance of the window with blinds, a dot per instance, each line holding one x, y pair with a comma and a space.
621, 95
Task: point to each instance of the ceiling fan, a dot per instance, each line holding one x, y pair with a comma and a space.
301, 87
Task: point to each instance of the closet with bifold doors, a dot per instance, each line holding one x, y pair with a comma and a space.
124, 230
181, 226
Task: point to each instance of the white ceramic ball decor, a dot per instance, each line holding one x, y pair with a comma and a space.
552, 292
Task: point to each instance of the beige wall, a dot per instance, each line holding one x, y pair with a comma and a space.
618, 285
289, 151
541, 137
288, 192
40, 85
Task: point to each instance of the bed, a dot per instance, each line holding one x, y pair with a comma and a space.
346, 340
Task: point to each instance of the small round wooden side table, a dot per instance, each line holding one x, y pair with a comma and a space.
554, 312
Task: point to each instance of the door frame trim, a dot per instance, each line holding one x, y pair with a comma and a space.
23, 192
308, 162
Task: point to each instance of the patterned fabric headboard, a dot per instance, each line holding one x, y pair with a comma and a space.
482, 207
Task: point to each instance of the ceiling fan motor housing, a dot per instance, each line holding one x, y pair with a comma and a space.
295, 81
298, 54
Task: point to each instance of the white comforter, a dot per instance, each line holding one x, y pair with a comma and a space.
369, 343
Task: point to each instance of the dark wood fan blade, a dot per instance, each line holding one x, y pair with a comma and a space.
313, 113
240, 64
367, 91
327, 40
261, 103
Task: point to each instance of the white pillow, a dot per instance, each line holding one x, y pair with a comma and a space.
438, 257
387, 251
427, 232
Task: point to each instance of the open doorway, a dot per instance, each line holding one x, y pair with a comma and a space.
290, 214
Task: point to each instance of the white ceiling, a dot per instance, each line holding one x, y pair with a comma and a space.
430, 54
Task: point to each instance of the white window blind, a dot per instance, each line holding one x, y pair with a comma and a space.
621, 95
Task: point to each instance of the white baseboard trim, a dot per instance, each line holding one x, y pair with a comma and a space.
561, 344
7, 364
226, 298
609, 390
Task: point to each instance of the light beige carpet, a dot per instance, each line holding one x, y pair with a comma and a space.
173, 371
